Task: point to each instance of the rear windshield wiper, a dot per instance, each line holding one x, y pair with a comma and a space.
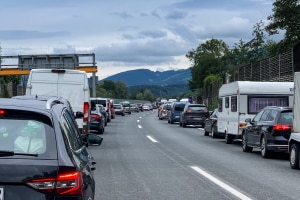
12, 153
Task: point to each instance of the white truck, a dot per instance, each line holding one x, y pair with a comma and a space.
294, 141
243, 99
66, 83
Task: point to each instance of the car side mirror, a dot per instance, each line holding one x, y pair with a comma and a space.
94, 140
248, 120
78, 115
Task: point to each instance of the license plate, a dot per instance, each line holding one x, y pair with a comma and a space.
197, 118
1, 193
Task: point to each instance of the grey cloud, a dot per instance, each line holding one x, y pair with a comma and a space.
123, 15
145, 34
175, 15
155, 14
149, 53
23, 34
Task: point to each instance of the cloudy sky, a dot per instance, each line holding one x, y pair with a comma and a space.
126, 34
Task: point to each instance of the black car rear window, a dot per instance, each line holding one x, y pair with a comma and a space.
27, 132
179, 107
286, 117
197, 108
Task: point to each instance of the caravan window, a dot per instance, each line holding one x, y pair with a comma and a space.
220, 104
233, 104
226, 102
256, 103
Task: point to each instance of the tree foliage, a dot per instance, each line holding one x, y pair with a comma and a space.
285, 17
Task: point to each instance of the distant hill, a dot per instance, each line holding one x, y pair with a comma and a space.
148, 77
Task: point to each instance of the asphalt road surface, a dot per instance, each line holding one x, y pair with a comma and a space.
144, 158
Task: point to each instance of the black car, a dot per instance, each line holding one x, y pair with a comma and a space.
193, 114
211, 124
43, 155
268, 131
97, 122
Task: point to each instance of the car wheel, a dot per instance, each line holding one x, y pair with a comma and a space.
245, 146
206, 133
183, 124
180, 124
294, 156
228, 138
213, 134
100, 131
265, 153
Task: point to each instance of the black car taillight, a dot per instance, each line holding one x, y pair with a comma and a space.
282, 127
65, 184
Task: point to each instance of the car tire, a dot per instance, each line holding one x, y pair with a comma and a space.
183, 124
228, 138
213, 133
294, 156
206, 133
101, 130
180, 124
245, 146
265, 153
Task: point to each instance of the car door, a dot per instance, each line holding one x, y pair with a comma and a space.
79, 153
258, 127
251, 129
209, 121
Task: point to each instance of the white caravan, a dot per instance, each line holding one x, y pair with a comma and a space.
294, 141
243, 99
70, 84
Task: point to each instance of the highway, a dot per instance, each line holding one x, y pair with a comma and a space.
144, 158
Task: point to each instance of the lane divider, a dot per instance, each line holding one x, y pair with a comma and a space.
151, 138
221, 184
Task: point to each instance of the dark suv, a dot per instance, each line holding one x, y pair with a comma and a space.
269, 131
194, 114
42, 154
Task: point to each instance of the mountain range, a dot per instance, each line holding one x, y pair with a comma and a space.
172, 83
148, 77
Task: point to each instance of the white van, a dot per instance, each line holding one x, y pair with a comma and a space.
66, 83
243, 99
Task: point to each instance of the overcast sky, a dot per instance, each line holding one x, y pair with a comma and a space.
126, 34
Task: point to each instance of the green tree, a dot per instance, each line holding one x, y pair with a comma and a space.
121, 90
148, 95
285, 17
207, 59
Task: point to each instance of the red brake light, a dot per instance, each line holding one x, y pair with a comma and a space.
282, 127
2, 112
69, 183
188, 111
86, 107
98, 117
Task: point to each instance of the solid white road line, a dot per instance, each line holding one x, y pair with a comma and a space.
152, 139
221, 184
